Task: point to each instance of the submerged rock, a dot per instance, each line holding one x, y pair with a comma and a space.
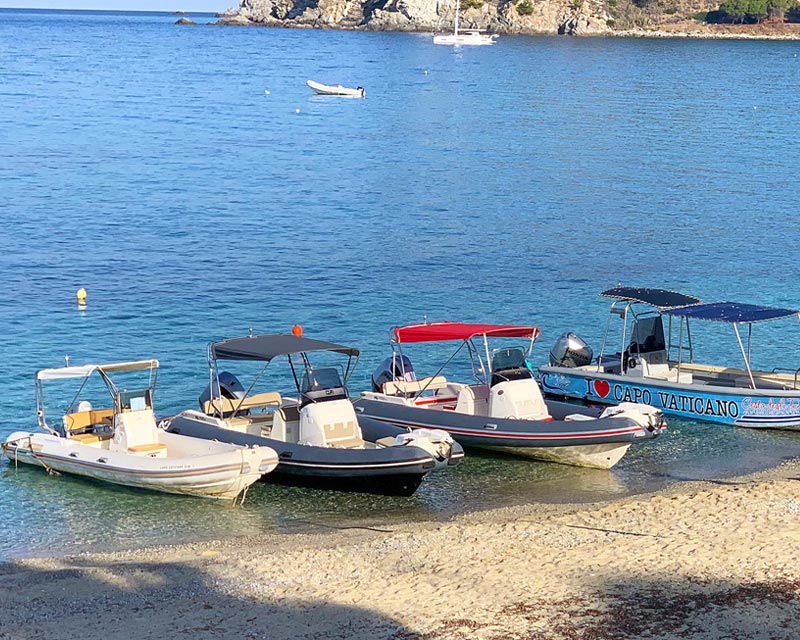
185, 21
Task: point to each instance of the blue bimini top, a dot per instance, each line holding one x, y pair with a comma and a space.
660, 298
733, 312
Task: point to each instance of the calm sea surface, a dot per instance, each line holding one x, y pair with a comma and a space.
147, 163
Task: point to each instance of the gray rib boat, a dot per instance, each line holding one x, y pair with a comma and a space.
504, 410
319, 439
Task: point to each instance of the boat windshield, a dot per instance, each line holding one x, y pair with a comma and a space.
317, 379
509, 364
647, 335
508, 358
135, 400
320, 384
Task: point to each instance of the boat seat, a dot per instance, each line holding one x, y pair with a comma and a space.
85, 419
136, 432
239, 423
343, 435
661, 371
388, 441
153, 450
255, 401
406, 387
473, 400
286, 423
90, 438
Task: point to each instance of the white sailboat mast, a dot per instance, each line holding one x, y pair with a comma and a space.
458, 8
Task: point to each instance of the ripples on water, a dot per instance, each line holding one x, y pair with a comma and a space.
511, 183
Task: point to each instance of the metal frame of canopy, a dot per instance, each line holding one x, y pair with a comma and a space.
85, 372
265, 348
659, 300
733, 313
463, 332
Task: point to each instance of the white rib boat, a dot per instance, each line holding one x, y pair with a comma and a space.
123, 444
336, 90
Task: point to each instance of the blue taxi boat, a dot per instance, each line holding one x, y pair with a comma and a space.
655, 366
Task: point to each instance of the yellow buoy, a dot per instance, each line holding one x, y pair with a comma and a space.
81, 295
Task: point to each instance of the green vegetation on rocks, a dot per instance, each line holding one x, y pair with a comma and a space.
748, 11
525, 7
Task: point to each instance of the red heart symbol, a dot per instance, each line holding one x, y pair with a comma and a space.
601, 388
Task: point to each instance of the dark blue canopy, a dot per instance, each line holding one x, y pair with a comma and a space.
731, 312
661, 298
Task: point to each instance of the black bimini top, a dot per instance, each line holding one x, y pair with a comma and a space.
733, 312
267, 347
660, 298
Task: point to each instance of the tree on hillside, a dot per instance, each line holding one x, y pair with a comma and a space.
757, 10
752, 10
777, 8
736, 10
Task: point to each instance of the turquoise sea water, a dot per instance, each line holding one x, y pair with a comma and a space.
146, 163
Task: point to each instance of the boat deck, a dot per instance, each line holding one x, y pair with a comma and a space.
703, 374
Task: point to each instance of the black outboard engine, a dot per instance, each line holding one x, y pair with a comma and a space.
229, 387
393, 368
570, 351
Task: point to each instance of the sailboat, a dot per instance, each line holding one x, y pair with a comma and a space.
464, 36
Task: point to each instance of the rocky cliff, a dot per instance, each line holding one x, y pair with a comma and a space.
572, 17
575, 17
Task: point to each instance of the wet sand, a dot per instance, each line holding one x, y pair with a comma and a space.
700, 560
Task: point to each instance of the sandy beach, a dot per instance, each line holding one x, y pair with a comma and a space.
698, 561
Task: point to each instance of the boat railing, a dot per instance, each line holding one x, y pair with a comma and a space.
795, 372
774, 379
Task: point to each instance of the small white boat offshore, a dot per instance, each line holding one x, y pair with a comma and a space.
319, 438
503, 407
466, 37
336, 90
658, 368
122, 443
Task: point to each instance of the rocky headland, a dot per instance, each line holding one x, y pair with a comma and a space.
668, 18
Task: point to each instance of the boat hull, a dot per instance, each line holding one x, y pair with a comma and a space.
460, 40
222, 475
328, 90
397, 470
594, 456
765, 408
589, 443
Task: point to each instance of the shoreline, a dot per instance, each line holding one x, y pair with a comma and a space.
692, 560
686, 29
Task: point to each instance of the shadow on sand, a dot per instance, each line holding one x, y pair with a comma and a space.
115, 600
636, 609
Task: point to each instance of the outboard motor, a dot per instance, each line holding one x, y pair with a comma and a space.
393, 368
229, 387
570, 351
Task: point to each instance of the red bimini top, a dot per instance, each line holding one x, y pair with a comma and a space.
440, 331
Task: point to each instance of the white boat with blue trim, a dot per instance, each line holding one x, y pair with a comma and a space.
503, 407
123, 445
658, 368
